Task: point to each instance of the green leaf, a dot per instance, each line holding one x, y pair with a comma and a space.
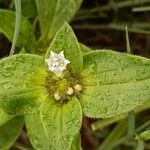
53, 14
4, 117
28, 8
145, 135
61, 122
36, 132
76, 143
7, 27
100, 124
9, 132
114, 83
66, 41
22, 79
85, 49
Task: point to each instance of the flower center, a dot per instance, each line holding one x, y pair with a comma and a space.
64, 88
57, 63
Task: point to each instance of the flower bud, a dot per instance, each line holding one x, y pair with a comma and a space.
70, 91
78, 87
57, 96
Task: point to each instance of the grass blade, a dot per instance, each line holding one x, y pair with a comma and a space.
17, 25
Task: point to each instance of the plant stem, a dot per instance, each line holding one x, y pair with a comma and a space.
115, 4
131, 123
140, 145
146, 124
137, 28
127, 41
116, 133
17, 25
103, 123
141, 9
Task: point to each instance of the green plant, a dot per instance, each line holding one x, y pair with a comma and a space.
96, 84
111, 82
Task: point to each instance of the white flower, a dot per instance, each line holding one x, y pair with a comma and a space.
57, 63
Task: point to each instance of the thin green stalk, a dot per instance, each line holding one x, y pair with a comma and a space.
131, 123
131, 115
17, 25
140, 145
121, 4
141, 9
116, 133
105, 122
131, 3
137, 28
127, 41
143, 126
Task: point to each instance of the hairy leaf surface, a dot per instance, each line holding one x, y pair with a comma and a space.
36, 132
114, 83
66, 41
22, 79
61, 122
85, 49
76, 143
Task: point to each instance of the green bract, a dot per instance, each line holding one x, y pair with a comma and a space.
104, 83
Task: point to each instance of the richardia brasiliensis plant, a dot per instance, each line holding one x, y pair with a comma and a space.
54, 98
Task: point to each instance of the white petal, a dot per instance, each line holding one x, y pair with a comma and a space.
47, 60
61, 54
57, 63
53, 54
67, 61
